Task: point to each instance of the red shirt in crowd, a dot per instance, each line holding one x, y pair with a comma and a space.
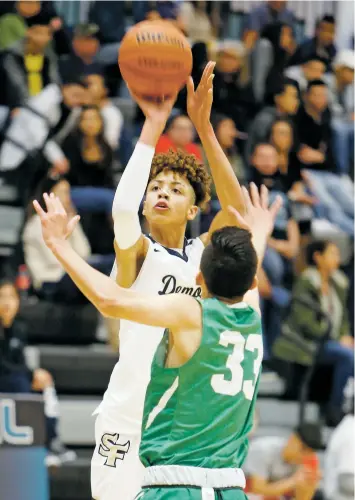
165, 144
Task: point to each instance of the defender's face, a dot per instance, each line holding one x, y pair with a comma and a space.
170, 199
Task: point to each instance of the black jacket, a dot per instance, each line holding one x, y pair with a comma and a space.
12, 349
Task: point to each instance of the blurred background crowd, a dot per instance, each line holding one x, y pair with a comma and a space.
283, 112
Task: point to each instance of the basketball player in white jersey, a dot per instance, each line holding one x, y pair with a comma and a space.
163, 262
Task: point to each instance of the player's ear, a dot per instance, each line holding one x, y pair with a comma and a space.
254, 284
192, 212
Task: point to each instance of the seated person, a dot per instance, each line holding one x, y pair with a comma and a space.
285, 104
315, 155
327, 287
277, 467
29, 65
16, 377
179, 134
322, 44
341, 103
112, 116
90, 158
312, 69
48, 276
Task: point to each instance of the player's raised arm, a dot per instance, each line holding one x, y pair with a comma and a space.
134, 180
169, 311
199, 104
259, 219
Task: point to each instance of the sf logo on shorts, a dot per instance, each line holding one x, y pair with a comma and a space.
112, 450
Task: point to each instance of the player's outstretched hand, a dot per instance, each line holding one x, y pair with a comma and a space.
157, 110
259, 217
199, 101
56, 225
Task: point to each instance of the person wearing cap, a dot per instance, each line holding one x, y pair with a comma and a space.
29, 64
341, 103
276, 466
85, 45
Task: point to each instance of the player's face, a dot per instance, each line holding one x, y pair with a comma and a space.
170, 199
9, 302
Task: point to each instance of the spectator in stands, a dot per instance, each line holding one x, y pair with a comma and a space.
112, 116
312, 69
265, 14
48, 276
340, 454
324, 285
13, 25
16, 377
90, 159
277, 467
48, 119
197, 22
233, 94
341, 102
85, 46
286, 102
179, 134
282, 44
321, 44
29, 65
315, 154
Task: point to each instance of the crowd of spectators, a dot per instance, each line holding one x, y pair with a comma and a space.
283, 112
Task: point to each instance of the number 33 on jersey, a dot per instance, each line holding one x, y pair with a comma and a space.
206, 406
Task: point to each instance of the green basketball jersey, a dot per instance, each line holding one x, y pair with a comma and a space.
201, 413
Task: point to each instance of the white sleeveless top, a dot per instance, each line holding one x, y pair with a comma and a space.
164, 271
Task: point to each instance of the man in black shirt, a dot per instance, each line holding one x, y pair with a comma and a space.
315, 155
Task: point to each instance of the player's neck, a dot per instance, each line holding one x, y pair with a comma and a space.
168, 236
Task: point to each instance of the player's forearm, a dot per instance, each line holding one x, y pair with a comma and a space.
93, 284
227, 185
260, 243
273, 489
130, 190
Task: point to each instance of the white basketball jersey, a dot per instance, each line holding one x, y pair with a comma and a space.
164, 271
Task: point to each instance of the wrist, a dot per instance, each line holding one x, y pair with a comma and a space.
205, 131
57, 246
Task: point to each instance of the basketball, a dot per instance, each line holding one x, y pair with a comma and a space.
155, 58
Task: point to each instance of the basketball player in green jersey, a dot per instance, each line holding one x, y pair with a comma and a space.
200, 401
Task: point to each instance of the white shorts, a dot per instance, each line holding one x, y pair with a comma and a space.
116, 471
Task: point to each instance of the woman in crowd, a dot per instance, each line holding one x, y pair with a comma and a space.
179, 134
90, 158
48, 276
16, 377
323, 284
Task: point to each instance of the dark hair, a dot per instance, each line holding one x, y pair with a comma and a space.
172, 119
315, 83
263, 143
229, 263
106, 148
185, 165
282, 84
277, 86
327, 18
319, 246
315, 57
310, 434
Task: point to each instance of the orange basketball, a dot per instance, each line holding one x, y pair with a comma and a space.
155, 58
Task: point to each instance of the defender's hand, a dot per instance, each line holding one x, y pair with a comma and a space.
259, 217
56, 225
199, 101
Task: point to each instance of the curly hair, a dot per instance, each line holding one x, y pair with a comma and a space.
187, 166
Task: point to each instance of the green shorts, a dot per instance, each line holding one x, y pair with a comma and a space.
189, 493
